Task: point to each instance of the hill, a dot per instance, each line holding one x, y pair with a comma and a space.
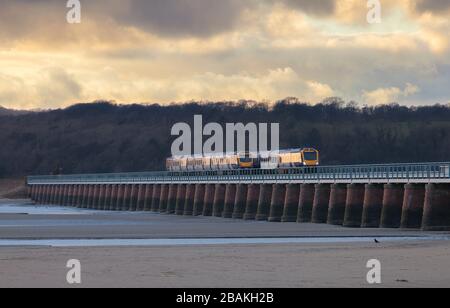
12, 112
104, 137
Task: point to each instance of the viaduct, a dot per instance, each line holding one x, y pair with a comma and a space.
366, 196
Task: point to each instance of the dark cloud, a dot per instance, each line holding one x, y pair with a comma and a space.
314, 7
173, 18
199, 18
20, 17
435, 6
167, 18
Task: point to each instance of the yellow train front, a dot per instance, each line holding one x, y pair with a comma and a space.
249, 161
310, 157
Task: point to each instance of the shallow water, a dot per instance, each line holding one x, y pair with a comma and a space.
43, 222
212, 241
30, 209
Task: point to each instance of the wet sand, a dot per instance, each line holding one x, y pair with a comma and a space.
409, 263
321, 265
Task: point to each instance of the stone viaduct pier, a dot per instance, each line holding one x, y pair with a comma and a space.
368, 196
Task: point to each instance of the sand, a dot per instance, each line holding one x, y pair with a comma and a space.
416, 263
250, 266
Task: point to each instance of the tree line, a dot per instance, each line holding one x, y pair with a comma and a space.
107, 137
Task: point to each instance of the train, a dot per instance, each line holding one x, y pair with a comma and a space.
290, 158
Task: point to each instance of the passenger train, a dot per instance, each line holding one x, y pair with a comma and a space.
248, 160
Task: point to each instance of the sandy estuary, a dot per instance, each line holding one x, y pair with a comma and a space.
151, 250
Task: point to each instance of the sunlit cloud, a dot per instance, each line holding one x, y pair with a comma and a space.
171, 50
389, 95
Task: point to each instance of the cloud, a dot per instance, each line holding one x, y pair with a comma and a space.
177, 50
10, 89
434, 6
434, 32
273, 85
56, 86
389, 95
316, 7
196, 18
410, 89
107, 21
50, 88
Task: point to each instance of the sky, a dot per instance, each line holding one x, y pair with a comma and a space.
164, 51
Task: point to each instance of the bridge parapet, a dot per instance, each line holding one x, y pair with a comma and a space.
382, 174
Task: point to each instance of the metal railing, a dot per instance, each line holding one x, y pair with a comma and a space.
402, 173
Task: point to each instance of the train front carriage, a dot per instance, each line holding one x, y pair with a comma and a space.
310, 157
